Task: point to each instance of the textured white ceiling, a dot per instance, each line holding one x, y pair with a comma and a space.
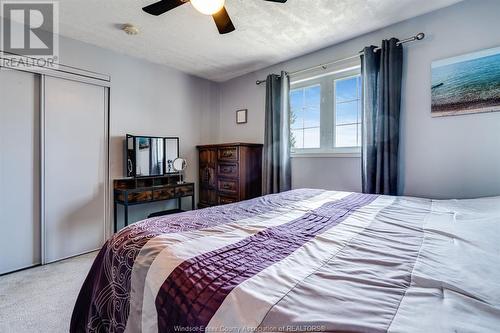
267, 33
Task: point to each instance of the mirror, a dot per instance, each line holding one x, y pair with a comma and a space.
149, 156
180, 165
171, 153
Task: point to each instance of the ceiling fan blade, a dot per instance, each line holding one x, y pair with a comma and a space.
223, 21
162, 6
282, 1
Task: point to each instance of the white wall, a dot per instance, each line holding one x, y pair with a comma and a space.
450, 157
148, 99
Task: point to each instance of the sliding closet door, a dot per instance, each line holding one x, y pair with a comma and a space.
19, 170
75, 165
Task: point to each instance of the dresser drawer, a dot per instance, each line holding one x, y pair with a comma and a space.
228, 186
164, 193
223, 200
181, 191
228, 170
227, 154
133, 197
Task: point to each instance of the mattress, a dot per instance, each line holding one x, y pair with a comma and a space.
302, 261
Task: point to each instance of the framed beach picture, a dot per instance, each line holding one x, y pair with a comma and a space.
466, 84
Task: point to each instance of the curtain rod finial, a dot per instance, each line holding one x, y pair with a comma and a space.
420, 36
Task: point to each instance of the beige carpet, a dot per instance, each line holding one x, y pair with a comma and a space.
41, 299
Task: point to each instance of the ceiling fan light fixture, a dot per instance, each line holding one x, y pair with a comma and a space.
208, 7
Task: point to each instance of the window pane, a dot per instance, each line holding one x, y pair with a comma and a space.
359, 112
311, 138
296, 109
313, 96
359, 135
360, 87
312, 117
312, 106
346, 136
296, 102
346, 113
305, 115
296, 119
297, 138
296, 98
346, 89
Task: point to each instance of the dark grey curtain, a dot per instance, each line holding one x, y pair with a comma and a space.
382, 75
277, 170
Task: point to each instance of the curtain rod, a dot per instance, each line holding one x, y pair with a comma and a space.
417, 37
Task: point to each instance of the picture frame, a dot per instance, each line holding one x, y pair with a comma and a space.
466, 84
241, 116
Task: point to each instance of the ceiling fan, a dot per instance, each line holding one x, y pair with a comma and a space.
208, 7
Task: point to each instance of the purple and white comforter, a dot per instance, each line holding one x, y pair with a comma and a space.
302, 261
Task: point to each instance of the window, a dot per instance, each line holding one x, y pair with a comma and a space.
348, 112
305, 116
325, 113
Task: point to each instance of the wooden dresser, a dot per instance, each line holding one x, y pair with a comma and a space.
229, 173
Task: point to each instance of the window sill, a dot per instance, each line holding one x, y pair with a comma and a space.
327, 155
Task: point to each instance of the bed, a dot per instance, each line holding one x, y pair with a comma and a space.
302, 261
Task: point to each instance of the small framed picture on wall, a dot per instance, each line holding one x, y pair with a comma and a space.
241, 116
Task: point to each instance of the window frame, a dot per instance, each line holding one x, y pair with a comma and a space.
327, 115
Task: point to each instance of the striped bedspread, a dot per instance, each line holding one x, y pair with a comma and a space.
302, 261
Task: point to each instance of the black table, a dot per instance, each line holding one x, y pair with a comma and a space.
138, 191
